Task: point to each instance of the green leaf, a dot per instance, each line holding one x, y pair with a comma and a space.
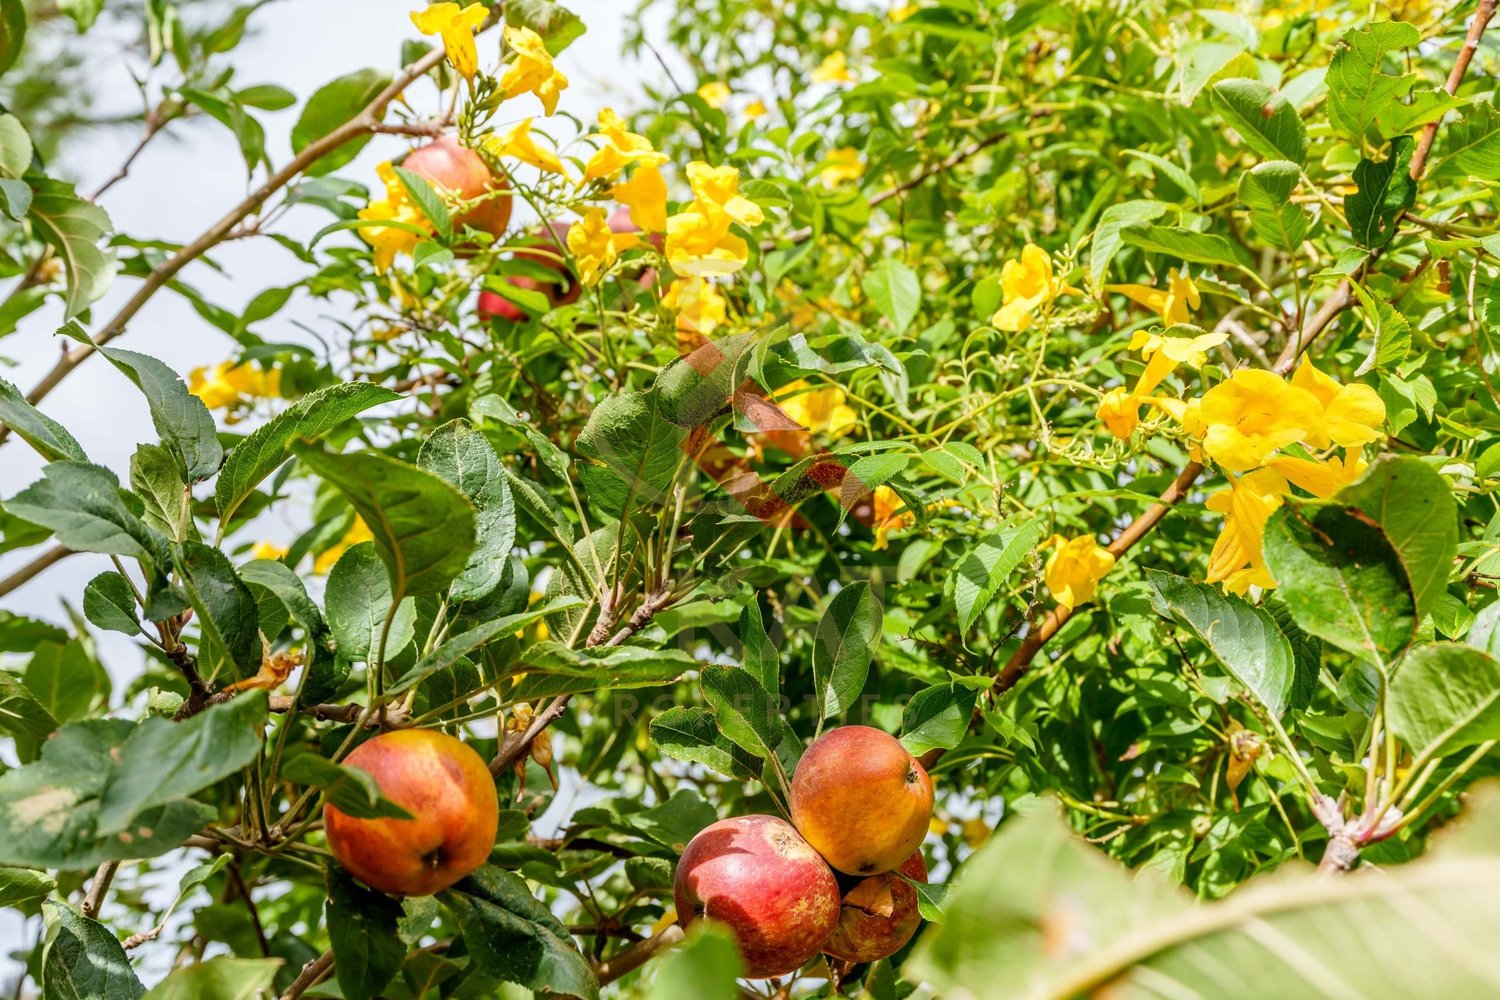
1473, 141
109, 603
540, 506
704, 967
1386, 191
1138, 936
986, 565
12, 33
429, 201
1186, 244
1390, 332
1342, 581
423, 527
66, 679
843, 646
83, 12
1108, 236
454, 650
511, 936
330, 106
288, 587
15, 196
21, 885
1242, 637
1267, 190
761, 660
82, 959
1414, 506
164, 762
930, 899
223, 108
15, 145
184, 423
367, 953
81, 503
465, 458
1264, 119
50, 438
354, 791
21, 713
553, 669
219, 978
74, 228
638, 452
358, 600
558, 26
691, 734
49, 809
1445, 697
937, 717
308, 419
895, 291
743, 709
226, 609
1365, 102
156, 477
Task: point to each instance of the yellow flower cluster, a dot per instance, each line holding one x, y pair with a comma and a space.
1027, 288
1074, 570
1245, 421
455, 25
229, 383
699, 240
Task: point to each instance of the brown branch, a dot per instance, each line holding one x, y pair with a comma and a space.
24, 575
1482, 16
627, 960
362, 123
94, 899
312, 973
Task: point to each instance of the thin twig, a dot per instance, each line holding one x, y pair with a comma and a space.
94, 899
312, 973
627, 960
23, 575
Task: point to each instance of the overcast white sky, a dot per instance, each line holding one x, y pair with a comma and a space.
178, 187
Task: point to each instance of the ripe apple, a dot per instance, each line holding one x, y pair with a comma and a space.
861, 800
492, 304
879, 914
448, 790
458, 170
755, 875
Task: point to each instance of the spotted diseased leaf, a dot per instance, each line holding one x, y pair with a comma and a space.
1263, 118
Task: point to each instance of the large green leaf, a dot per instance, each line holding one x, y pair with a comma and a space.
1445, 697
82, 959
74, 228
164, 762
226, 610
1113, 221
895, 291
1186, 244
352, 789
180, 418
109, 604
986, 565
358, 600
1267, 190
1341, 581
308, 419
1386, 191
21, 885
1242, 637
637, 452
691, 734
423, 527
1414, 506
367, 953
843, 646
221, 978
702, 968
1473, 141
12, 33
1038, 914
156, 477
82, 505
330, 106
465, 458
1364, 101
50, 438
553, 669
66, 679
21, 712
937, 717
761, 660
745, 711
49, 809
511, 936
1264, 119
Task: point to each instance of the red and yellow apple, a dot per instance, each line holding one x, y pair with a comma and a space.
861, 800
447, 789
879, 914
458, 171
762, 881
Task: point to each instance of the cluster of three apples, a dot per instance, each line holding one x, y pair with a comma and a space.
838, 878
